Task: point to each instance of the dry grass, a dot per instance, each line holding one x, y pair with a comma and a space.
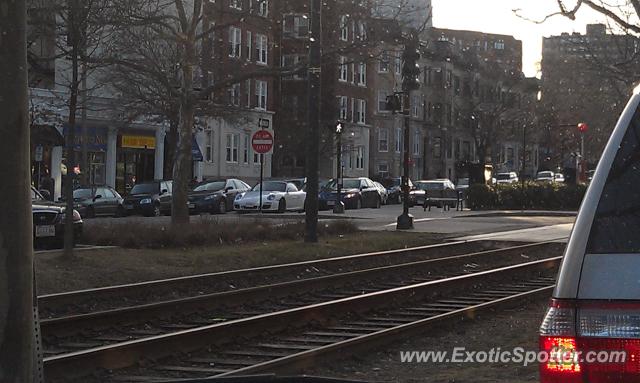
104, 267
201, 233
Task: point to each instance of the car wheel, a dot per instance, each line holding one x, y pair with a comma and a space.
358, 204
156, 210
91, 213
120, 212
282, 206
222, 207
378, 203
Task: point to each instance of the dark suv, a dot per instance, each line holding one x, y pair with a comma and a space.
150, 199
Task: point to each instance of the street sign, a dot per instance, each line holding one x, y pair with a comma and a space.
262, 141
38, 153
264, 123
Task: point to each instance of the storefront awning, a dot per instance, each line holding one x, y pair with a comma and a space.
46, 135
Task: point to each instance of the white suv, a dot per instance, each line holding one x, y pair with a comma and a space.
506, 178
596, 302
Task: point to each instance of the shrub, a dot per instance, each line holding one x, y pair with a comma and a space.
540, 196
203, 232
480, 196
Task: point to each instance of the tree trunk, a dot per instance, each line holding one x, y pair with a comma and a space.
73, 106
183, 161
16, 247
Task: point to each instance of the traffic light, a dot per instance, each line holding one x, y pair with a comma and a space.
410, 66
583, 127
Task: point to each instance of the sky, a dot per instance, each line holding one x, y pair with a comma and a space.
497, 16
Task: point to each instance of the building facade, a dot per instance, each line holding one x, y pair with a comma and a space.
585, 78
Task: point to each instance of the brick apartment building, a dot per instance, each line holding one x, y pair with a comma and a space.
471, 80
585, 78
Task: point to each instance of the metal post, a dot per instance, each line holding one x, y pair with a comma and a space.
17, 353
524, 163
405, 220
338, 208
261, 178
313, 120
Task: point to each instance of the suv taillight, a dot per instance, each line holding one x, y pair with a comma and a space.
595, 342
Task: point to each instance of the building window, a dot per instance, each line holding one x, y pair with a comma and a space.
245, 149
416, 143
362, 30
362, 74
261, 95
296, 26
383, 63
398, 140
262, 8
499, 44
361, 111
383, 140
233, 140
397, 61
383, 170
249, 47
382, 100
360, 157
437, 147
261, 49
416, 106
248, 92
235, 42
343, 69
343, 107
256, 158
208, 146
291, 63
344, 28
236, 4
234, 95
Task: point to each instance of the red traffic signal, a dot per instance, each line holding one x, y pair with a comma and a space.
582, 127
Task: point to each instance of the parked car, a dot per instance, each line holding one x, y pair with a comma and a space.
438, 193
394, 189
49, 222
216, 196
506, 178
545, 176
277, 196
149, 199
558, 177
355, 194
93, 201
384, 195
595, 305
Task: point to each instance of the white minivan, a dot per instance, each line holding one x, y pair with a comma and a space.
594, 315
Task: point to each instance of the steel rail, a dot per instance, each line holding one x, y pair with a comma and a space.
129, 353
108, 318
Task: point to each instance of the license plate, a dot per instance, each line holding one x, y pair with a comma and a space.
331, 203
191, 205
45, 231
128, 207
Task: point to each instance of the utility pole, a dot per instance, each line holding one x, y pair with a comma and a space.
410, 82
17, 351
338, 208
313, 121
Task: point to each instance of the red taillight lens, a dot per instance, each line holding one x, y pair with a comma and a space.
591, 342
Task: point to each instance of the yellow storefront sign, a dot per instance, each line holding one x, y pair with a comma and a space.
138, 142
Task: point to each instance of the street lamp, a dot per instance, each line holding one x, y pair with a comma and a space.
410, 82
338, 208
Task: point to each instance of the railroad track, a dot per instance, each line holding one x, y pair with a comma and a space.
303, 333
99, 299
79, 332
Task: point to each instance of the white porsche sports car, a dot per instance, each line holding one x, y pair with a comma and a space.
277, 196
